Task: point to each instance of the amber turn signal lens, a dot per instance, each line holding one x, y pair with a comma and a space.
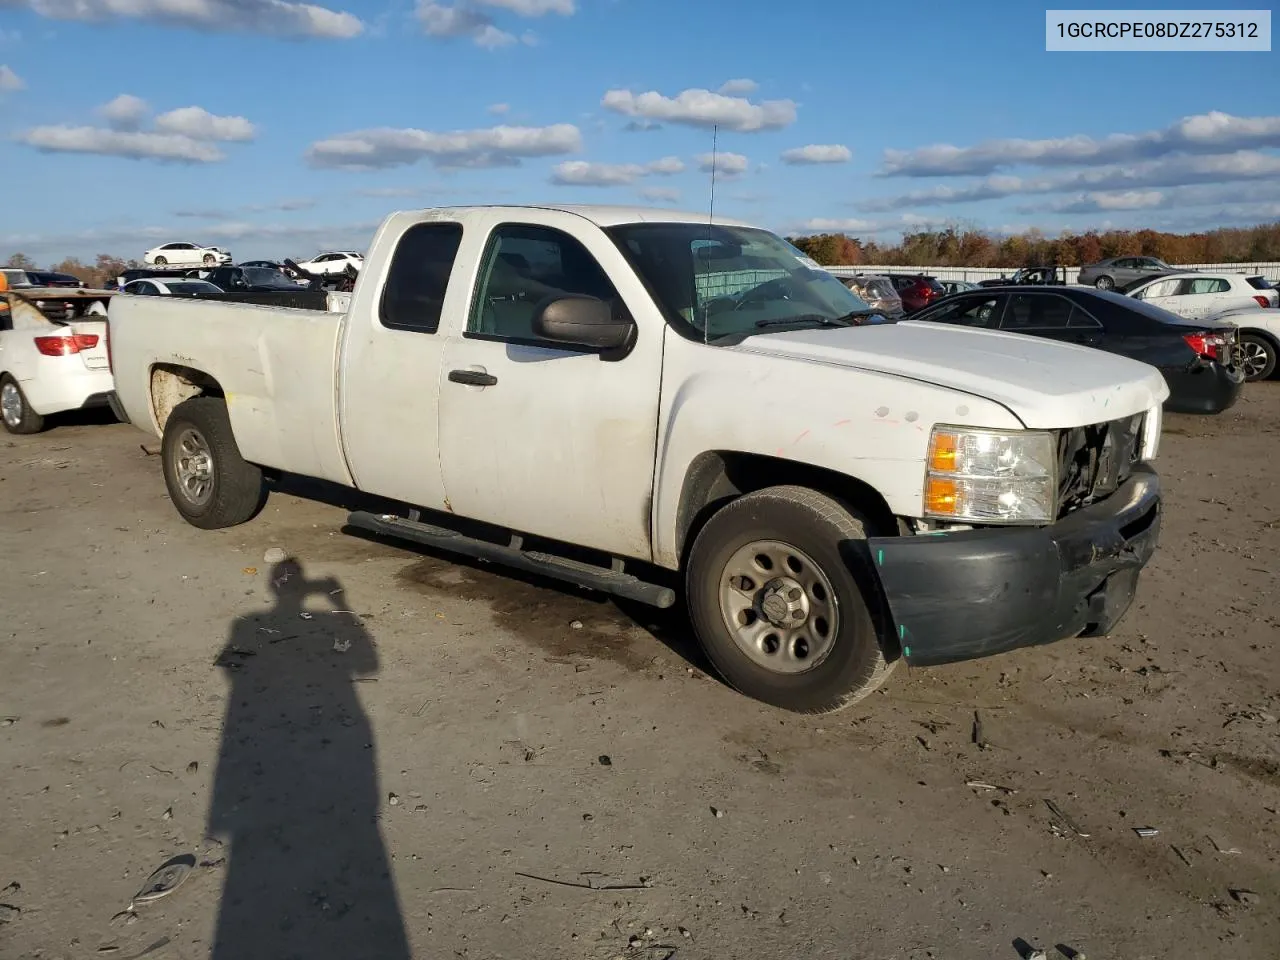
940, 496
942, 452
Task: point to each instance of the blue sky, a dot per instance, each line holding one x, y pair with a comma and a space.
277, 128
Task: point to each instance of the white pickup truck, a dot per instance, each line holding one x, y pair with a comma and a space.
644, 403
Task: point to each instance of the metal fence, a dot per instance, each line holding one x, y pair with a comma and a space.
1269, 269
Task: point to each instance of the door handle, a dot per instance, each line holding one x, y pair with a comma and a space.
472, 378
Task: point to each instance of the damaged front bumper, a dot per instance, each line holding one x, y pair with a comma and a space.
974, 593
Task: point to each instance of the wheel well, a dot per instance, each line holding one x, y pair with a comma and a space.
1266, 335
719, 476
171, 384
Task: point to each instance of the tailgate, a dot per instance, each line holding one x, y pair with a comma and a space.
91, 332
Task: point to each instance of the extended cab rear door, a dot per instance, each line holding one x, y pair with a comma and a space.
545, 437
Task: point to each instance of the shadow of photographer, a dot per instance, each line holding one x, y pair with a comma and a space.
296, 794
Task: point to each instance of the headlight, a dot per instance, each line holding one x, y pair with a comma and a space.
991, 476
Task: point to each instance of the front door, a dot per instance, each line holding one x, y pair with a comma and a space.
389, 373
541, 437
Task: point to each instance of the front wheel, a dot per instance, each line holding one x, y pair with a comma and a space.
210, 259
781, 593
16, 413
1257, 357
210, 484
1104, 283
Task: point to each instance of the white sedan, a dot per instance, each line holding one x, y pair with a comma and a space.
48, 367
1198, 296
170, 287
1259, 339
328, 263
186, 254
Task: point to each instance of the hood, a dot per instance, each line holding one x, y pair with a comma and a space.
1045, 384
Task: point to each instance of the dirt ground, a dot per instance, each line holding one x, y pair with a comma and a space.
378, 754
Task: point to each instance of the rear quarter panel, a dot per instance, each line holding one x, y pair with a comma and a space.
275, 365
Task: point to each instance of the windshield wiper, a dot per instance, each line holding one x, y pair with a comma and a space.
847, 320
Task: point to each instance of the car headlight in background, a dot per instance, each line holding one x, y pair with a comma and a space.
991, 476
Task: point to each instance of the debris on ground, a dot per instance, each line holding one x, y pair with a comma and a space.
9, 913
589, 883
150, 449
393, 800
605, 760
166, 879
193, 766
979, 736
1146, 833
717, 812
273, 555
1064, 819
575, 624
1246, 897
1225, 851
249, 571
341, 644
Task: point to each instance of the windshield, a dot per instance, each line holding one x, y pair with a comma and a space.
265, 277
720, 281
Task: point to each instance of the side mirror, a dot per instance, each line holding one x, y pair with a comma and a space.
584, 321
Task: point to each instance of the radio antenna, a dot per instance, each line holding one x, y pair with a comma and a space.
715, 136
711, 216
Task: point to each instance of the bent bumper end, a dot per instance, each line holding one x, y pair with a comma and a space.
960, 596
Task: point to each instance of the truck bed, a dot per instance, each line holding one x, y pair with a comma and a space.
275, 366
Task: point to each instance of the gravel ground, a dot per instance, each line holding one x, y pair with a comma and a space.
380, 754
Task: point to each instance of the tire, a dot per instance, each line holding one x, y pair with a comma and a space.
162, 262
15, 412
209, 483
210, 260
1258, 357
846, 663
1104, 283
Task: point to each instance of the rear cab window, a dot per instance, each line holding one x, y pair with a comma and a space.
418, 277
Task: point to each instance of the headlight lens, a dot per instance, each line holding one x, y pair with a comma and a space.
991, 476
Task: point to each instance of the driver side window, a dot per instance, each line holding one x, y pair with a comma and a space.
524, 267
970, 312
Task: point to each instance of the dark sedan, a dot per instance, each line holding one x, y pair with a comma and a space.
1199, 360
250, 279
48, 278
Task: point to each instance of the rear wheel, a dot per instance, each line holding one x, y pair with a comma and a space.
1257, 356
161, 261
1104, 283
781, 592
209, 483
16, 413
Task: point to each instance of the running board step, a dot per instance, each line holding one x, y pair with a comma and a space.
585, 575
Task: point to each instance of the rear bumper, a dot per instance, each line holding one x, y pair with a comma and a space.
970, 594
1203, 388
67, 386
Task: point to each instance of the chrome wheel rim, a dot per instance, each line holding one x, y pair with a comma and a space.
11, 404
1253, 357
193, 467
779, 606
1103, 283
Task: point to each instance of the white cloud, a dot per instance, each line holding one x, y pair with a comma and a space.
532, 8
739, 87
1208, 133
824, 225
276, 17
119, 143
125, 112
817, 153
501, 146
186, 135
727, 165
1243, 165
499, 109
661, 194
200, 124
466, 19
702, 108
1216, 195
581, 173
10, 82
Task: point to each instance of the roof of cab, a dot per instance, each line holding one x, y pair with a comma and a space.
604, 215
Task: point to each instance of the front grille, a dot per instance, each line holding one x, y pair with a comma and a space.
1093, 461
